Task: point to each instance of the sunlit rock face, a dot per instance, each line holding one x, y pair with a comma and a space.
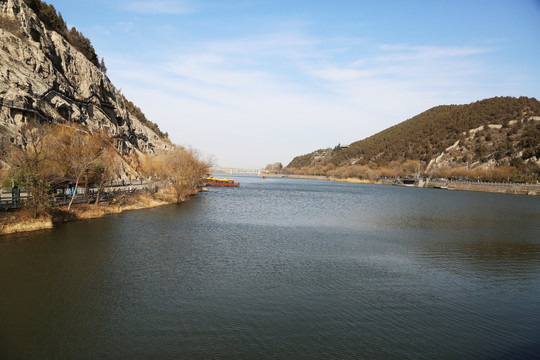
44, 78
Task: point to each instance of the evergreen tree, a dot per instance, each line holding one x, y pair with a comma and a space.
102, 66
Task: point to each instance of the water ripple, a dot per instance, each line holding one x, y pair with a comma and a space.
282, 268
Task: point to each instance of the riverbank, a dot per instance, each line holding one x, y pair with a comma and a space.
332, 178
502, 188
22, 220
364, 181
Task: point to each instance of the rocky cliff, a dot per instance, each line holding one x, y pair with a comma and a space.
493, 145
43, 78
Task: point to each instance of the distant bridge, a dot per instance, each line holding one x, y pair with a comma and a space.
222, 170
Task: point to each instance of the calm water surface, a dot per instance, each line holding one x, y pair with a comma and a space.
282, 269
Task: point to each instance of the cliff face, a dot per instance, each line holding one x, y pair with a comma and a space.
43, 78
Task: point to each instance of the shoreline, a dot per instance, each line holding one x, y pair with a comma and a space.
19, 221
500, 188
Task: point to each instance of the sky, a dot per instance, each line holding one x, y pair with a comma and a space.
250, 82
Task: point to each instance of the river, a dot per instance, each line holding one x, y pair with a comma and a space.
282, 269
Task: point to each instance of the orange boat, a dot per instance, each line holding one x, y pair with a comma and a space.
211, 181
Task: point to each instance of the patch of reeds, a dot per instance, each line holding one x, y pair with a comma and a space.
23, 220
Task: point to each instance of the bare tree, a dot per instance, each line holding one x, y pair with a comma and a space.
107, 168
77, 151
153, 166
180, 168
184, 170
275, 167
32, 165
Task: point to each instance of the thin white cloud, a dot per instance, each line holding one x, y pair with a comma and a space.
156, 7
335, 73
124, 26
102, 30
402, 63
399, 52
285, 44
286, 91
253, 109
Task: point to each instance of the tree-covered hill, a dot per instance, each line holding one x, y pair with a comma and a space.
427, 135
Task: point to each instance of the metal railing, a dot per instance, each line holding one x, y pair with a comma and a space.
474, 182
15, 200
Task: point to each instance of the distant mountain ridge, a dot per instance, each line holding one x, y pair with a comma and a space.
491, 133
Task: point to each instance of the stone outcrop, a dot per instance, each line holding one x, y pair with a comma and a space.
489, 139
43, 78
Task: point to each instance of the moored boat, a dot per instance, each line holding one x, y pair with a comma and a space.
212, 181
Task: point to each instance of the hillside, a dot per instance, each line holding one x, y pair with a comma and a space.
488, 134
51, 75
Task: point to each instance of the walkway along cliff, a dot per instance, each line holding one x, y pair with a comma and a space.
44, 78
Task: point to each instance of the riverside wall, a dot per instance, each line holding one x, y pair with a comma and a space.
505, 188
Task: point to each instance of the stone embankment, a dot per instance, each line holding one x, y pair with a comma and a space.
506, 188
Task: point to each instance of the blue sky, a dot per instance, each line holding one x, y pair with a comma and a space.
254, 82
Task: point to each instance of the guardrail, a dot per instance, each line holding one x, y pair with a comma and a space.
10, 201
472, 182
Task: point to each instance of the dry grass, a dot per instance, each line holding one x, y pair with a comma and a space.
85, 211
355, 180
168, 194
502, 173
27, 225
123, 203
21, 221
